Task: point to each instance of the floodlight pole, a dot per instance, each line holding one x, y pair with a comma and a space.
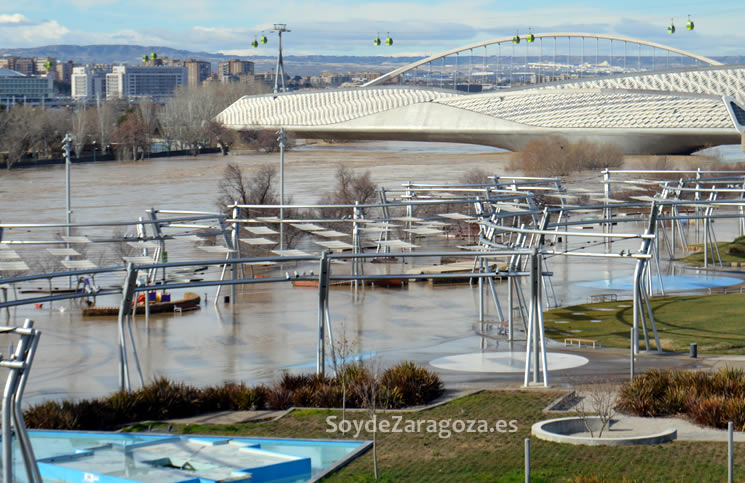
279, 28
281, 187
67, 140
66, 148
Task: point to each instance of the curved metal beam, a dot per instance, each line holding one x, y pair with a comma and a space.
406, 68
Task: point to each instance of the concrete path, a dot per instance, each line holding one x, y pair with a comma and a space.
687, 431
231, 417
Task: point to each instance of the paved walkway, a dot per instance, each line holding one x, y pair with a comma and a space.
231, 417
609, 364
687, 431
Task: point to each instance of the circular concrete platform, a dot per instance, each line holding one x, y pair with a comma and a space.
575, 430
504, 362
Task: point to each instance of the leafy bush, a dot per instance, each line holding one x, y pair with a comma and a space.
416, 385
402, 385
708, 399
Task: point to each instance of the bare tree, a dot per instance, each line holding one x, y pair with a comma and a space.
106, 116
257, 188
557, 156
16, 139
220, 135
599, 400
349, 187
186, 118
133, 135
475, 176
343, 349
80, 128
369, 391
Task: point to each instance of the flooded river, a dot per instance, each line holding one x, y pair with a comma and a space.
271, 327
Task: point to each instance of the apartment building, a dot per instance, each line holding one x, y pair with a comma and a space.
88, 82
149, 81
197, 71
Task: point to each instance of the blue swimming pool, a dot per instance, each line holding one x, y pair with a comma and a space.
117, 457
673, 283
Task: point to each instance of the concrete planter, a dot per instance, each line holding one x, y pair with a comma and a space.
570, 430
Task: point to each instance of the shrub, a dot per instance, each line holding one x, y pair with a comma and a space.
557, 156
644, 396
708, 399
416, 385
280, 398
329, 396
304, 396
292, 382
405, 384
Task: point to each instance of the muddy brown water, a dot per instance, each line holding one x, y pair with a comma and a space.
272, 327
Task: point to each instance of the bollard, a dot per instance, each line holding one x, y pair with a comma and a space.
527, 460
631, 355
693, 350
730, 450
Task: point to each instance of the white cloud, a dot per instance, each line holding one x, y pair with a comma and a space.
336, 27
26, 35
13, 19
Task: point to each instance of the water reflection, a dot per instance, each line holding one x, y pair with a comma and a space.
272, 326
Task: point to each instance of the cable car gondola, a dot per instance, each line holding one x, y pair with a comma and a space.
530, 37
689, 24
516, 39
376, 41
389, 40
263, 39
671, 27
254, 43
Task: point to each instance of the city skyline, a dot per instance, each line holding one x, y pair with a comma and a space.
348, 27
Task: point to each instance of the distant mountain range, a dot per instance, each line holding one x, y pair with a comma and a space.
132, 54
294, 64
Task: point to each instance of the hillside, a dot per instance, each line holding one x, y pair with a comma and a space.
296, 65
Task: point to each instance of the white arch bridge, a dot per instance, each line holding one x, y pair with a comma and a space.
691, 103
556, 60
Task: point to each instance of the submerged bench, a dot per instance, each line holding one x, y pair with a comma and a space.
603, 297
579, 342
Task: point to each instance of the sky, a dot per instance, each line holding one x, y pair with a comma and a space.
337, 27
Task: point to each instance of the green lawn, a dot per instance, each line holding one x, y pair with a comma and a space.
715, 322
499, 456
733, 251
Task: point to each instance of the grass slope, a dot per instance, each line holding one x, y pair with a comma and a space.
730, 252
715, 322
498, 456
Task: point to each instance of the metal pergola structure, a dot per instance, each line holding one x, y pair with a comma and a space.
514, 221
18, 363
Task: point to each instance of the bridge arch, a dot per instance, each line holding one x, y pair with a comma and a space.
401, 70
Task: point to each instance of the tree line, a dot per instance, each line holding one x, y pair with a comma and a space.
129, 130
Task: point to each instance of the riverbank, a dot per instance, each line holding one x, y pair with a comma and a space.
100, 158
